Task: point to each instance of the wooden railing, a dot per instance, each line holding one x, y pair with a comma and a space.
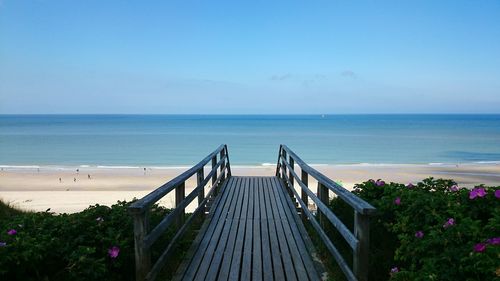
144, 238
359, 241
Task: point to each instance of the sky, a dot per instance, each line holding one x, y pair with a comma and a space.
249, 57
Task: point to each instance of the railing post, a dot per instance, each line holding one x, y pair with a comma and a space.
278, 165
200, 176
292, 165
323, 196
283, 171
223, 165
214, 163
305, 180
290, 175
361, 255
227, 160
142, 253
180, 194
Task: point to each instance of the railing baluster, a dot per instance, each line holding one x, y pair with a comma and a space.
200, 176
227, 160
290, 175
142, 253
223, 166
305, 181
180, 194
362, 233
323, 196
283, 171
214, 163
292, 164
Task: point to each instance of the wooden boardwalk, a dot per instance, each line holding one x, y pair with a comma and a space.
252, 226
252, 234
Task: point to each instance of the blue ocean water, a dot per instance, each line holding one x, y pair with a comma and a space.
179, 140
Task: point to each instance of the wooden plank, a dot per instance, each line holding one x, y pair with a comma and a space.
246, 265
328, 243
267, 265
285, 249
229, 251
275, 257
234, 272
217, 238
257, 241
277, 264
219, 200
293, 224
220, 215
210, 265
294, 244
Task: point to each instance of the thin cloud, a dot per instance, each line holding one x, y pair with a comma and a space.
281, 77
348, 73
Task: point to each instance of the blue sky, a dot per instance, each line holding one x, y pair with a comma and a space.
63, 56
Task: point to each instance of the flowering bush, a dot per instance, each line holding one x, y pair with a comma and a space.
433, 230
95, 244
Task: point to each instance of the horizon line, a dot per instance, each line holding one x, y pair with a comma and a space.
256, 114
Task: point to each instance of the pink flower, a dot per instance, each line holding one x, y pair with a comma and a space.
493, 241
113, 252
454, 188
394, 270
497, 193
477, 192
410, 185
397, 201
380, 183
449, 222
12, 232
479, 247
419, 234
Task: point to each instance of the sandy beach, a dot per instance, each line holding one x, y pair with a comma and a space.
39, 189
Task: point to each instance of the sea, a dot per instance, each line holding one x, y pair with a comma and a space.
117, 141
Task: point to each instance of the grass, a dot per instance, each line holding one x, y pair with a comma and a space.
8, 211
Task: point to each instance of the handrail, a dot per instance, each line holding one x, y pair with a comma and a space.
161, 191
144, 238
358, 241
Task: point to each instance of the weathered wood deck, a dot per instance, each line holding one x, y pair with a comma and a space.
252, 229
252, 233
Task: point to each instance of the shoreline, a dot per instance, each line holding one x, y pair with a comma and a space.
15, 167
38, 187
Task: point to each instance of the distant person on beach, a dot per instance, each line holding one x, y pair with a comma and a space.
60, 180
77, 171
88, 176
144, 170
74, 179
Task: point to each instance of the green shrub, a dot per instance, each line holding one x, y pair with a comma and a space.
431, 231
70, 247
